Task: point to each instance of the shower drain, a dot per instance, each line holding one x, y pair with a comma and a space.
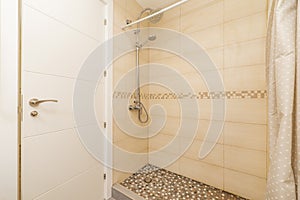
148, 180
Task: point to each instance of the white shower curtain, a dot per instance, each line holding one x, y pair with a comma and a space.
283, 90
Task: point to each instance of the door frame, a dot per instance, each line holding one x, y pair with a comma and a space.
108, 183
9, 105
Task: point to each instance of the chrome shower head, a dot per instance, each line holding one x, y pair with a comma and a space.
151, 11
156, 18
152, 37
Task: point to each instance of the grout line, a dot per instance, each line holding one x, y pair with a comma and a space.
247, 16
223, 76
235, 19
223, 23
245, 41
234, 170
244, 66
205, 119
223, 167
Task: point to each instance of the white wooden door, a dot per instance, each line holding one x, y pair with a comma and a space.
57, 36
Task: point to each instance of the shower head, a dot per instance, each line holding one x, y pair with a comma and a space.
156, 18
151, 11
152, 37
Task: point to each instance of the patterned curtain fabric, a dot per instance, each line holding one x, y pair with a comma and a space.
283, 90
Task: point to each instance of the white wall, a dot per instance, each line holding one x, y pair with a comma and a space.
9, 100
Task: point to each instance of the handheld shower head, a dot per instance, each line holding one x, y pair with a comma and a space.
151, 38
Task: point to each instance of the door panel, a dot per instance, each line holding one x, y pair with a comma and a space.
52, 116
80, 187
50, 47
57, 38
51, 160
79, 14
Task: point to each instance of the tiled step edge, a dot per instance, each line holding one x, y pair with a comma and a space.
121, 193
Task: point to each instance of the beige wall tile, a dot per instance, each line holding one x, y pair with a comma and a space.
155, 55
118, 135
120, 15
173, 23
170, 15
161, 141
133, 145
175, 124
196, 81
121, 4
133, 7
194, 20
194, 5
129, 164
171, 107
203, 128
171, 127
246, 110
234, 9
247, 28
174, 167
215, 157
247, 186
203, 172
175, 63
217, 56
245, 160
163, 159
246, 53
210, 37
207, 112
252, 136
245, 78
119, 176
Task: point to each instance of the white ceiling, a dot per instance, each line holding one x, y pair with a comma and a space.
155, 3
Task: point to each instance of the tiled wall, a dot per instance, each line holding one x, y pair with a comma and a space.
233, 33
127, 9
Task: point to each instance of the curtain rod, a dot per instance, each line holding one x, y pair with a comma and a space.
154, 14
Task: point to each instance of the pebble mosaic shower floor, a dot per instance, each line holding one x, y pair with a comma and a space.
171, 186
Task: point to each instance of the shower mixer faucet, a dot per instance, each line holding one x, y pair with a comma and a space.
136, 106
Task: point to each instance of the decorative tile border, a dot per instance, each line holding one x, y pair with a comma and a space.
153, 183
245, 94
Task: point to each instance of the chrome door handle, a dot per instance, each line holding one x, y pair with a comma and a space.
35, 102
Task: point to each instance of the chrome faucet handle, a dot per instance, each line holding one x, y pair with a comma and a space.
35, 102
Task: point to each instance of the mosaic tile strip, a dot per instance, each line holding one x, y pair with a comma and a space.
246, 94
170, 186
